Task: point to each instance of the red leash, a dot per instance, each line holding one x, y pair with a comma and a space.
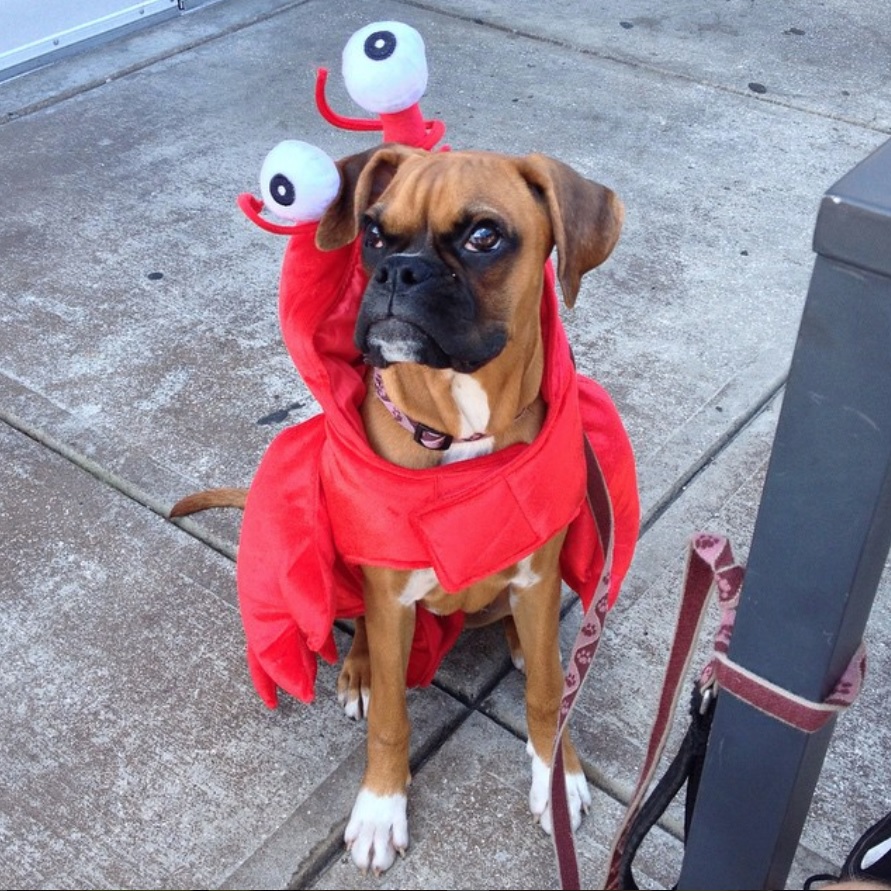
581, 659
710, 566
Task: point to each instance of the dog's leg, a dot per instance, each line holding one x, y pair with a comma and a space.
378, 825
354, 680
535, 603
513, 643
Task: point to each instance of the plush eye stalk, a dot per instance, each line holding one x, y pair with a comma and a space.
385, 67
484, 238
298, 181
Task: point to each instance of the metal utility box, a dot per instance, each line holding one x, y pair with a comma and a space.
818, 548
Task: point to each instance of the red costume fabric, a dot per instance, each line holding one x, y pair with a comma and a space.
322, 502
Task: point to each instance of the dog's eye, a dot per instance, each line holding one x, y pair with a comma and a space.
483, 239
374, 238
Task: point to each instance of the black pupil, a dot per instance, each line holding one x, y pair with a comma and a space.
484, 237
282, 190
380, 45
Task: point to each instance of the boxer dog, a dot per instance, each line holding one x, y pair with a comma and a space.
455, 245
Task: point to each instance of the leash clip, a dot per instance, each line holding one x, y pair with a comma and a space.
708, 699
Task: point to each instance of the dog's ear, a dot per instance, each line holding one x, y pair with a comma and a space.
586, 218
363, 179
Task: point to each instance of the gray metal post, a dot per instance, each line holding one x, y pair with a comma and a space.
821, 537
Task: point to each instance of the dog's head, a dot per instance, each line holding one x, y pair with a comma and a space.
454, 244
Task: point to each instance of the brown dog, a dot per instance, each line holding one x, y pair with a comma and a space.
455, 245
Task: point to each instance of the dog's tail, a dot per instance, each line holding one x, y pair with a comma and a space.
208, 498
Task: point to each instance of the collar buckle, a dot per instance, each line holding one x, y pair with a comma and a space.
435, 440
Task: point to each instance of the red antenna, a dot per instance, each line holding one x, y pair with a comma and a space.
407, 126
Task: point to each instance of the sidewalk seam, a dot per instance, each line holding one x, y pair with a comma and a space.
116, 482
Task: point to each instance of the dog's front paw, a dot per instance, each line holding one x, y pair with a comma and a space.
578, 794
377, 831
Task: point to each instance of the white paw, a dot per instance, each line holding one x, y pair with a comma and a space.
577, 793
354, 705
377, 831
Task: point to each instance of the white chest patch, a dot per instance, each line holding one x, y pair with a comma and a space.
472, 403
461, 451
420, 583
473, 409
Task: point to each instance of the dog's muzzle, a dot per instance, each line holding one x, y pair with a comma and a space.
418, 310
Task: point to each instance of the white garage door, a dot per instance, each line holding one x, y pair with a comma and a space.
30, 29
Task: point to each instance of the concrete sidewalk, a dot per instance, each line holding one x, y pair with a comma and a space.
142, 360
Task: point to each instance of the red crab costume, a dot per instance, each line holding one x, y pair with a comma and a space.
321, 503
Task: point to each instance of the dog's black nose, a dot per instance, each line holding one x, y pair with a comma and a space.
401, 271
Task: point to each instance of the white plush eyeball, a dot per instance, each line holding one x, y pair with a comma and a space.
298, 181
385, 67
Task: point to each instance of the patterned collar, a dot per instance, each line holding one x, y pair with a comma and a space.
435, 440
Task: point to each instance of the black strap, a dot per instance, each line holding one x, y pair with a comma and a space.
685, 769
